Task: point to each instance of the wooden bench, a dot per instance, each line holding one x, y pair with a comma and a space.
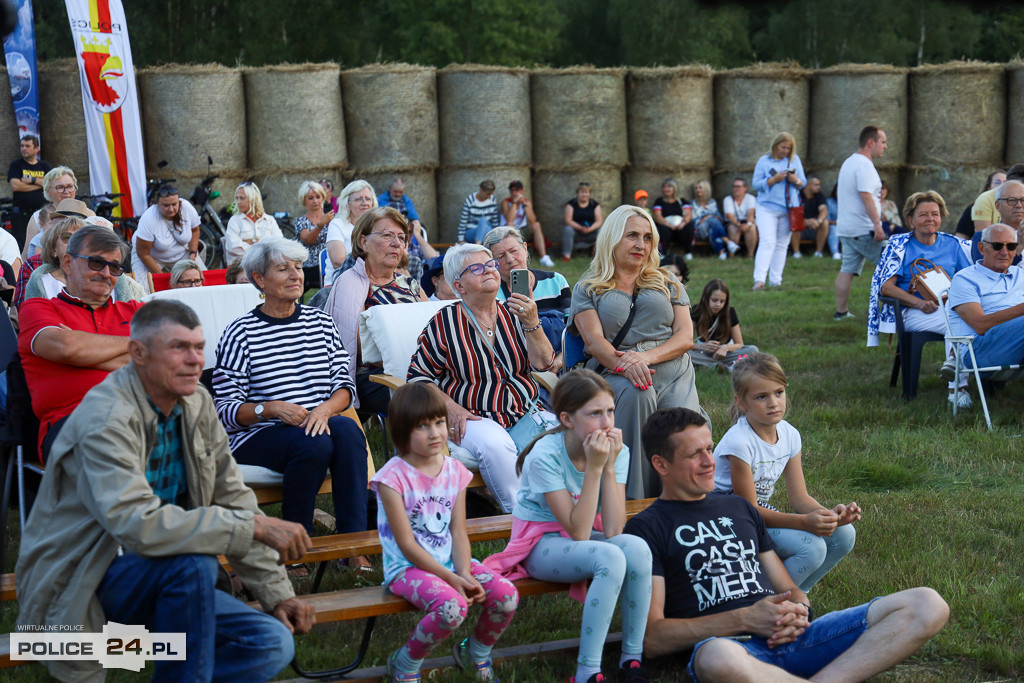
363, 603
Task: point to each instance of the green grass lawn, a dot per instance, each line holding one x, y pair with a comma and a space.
938, 494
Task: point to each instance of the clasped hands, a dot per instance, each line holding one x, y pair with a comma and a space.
314, 421
777, 619
633, 366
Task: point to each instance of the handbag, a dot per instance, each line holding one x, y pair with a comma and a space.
623, 331
796, 214
929, 280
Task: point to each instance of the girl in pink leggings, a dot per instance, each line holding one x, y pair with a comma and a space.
421, 520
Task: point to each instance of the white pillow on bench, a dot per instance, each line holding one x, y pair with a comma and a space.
390, 334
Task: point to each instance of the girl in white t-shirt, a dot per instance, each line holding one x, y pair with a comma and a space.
421, 520
760, 448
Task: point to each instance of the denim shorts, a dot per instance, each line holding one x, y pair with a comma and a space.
827, 637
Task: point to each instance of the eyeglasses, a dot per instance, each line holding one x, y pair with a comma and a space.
390, 237
191, 283
480, 268
999, 246
363, 200
1013, 201
167, 192
98, 264
62, 189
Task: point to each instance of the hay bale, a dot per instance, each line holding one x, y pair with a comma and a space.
669, 116
391, 116
1015, 104
281, 190
190, 112
224, 184
455, 184
419, 187
579, 118
552, 189
484, 115
635, 179
957, 115
846, 98
62, 119
10, 134
752, 106
958, 185
281, 100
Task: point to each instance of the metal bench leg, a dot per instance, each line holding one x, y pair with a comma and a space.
319, 577
364, 645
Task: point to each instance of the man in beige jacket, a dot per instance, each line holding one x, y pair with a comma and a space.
140, 496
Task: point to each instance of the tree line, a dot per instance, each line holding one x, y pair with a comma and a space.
813, 33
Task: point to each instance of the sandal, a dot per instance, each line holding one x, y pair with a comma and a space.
484, 670
360, 564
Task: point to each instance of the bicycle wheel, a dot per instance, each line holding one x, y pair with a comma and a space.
212, 253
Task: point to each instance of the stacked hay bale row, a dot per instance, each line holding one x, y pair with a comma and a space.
579, 135
392, 129
485, 133
957, 125
671, 129
752, 106
62, 135
295, 129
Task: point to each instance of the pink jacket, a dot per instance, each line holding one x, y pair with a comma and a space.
525, 536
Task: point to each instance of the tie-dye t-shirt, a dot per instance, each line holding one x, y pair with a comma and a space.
428, 503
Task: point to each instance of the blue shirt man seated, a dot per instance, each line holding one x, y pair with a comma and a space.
140, 496
986, 301
720, 590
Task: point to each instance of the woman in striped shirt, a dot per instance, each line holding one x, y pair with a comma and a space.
286, 415
480, 354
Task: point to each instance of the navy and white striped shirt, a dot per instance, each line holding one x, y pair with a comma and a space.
298, 359
453, 354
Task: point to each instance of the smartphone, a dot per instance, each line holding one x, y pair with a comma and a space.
519, 281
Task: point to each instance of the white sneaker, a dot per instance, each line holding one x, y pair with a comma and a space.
797, 255
961, 399
545, 260
688, 256
732, 247
817, 254
723, 256
837, 256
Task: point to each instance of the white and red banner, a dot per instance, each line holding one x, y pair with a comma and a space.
111, 102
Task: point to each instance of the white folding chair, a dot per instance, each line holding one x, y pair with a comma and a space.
962, 343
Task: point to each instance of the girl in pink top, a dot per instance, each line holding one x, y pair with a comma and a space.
421, 520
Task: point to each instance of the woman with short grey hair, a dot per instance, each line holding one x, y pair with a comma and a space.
58, 183
293, 402
186, 273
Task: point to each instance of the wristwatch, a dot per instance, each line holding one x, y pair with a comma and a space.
259, 412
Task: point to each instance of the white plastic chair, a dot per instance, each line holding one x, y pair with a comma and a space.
961, 342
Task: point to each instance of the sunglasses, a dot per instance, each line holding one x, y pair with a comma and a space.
167, 192
98, 264
999, 246
480, 268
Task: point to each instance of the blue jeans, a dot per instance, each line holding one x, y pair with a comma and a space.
225, 639
1001, 345
714, 231
808, 557
304, 461
826, 638
476, 234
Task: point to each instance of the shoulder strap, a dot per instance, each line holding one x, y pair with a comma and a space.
629, 320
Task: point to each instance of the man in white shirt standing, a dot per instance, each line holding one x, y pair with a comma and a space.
859, 223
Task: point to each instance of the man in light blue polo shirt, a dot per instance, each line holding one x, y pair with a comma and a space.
987, 300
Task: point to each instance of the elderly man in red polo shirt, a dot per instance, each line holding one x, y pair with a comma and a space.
70, 343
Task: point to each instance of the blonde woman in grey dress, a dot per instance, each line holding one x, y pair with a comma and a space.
649, 368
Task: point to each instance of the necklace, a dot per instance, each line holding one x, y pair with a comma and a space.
490, 330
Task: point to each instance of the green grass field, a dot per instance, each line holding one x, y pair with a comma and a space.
938, 494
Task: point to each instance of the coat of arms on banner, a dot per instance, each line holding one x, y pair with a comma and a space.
104, 71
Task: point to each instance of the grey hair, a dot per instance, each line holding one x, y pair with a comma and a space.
397, 180
53, 174
455, 261
987, 232
267, 252
179, 268
48, 244
149, 320
98, 239
1006, 184
502, 233
351, 189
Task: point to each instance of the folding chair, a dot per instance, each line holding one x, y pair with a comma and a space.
996, 373
574, 351
908, 350
325, 263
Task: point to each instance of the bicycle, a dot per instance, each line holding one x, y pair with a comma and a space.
211, 227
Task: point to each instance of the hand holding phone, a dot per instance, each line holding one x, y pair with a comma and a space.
519, 281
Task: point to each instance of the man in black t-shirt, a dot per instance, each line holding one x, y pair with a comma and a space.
719, 589
815, 217
26, 178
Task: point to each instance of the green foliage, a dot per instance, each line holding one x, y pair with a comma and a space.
557, 32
